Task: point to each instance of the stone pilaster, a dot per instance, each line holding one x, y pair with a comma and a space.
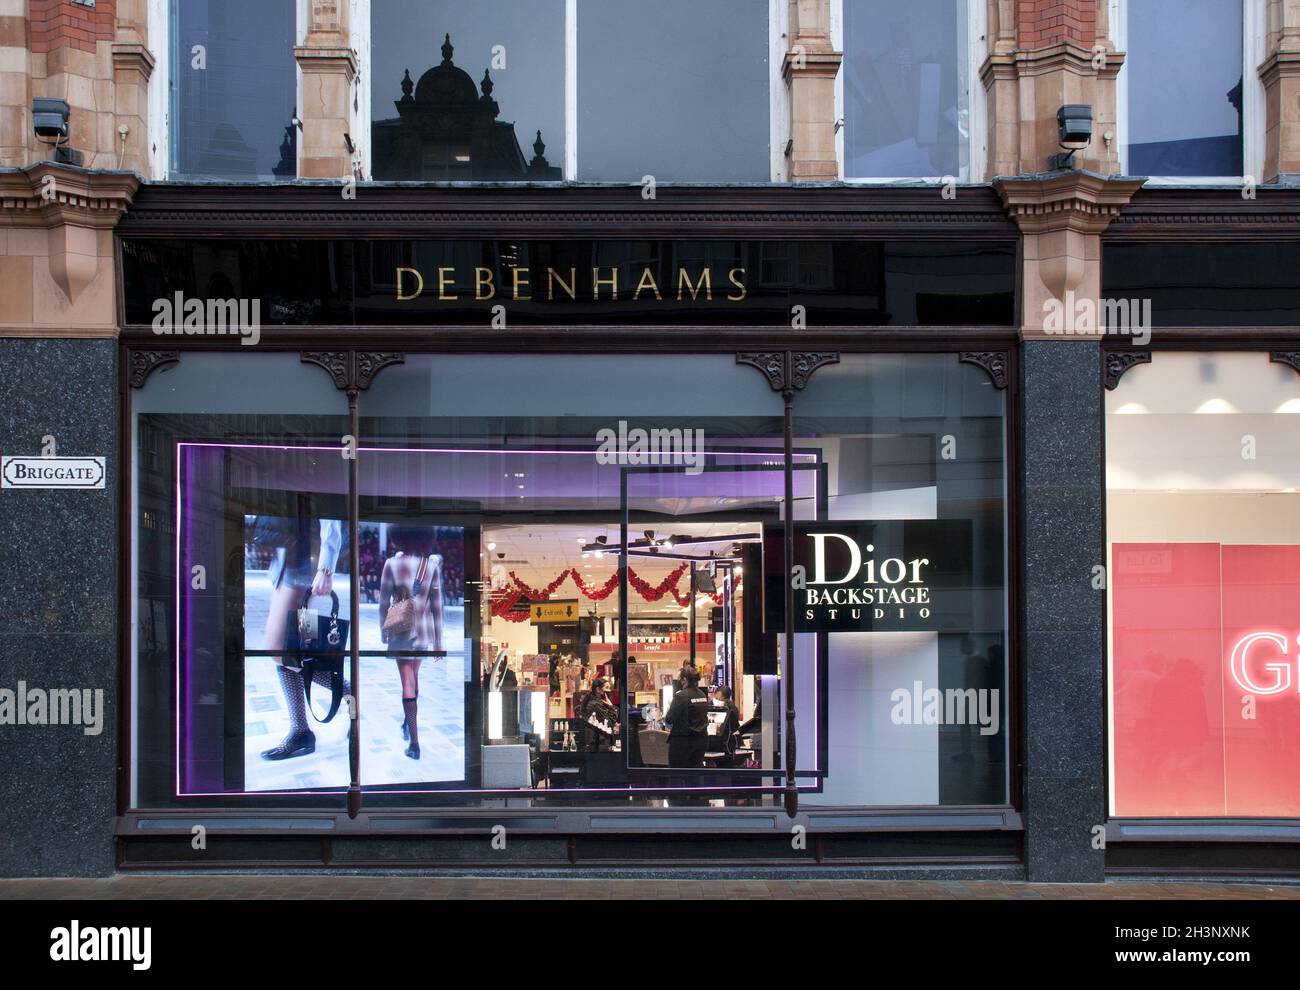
810, 67
329, 72
15, 83
133, 64
1280, 74
1039, 60
57, 269
1061, 216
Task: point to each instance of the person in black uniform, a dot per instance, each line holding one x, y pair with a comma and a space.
688, 722
729, 730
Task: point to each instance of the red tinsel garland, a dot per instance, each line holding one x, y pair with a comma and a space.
504, 602
598, 594
651, 593
532, 593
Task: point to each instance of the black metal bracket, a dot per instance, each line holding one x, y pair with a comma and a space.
143, 364
994, 364
1115, 363
787, 371
352, 371
1289, 358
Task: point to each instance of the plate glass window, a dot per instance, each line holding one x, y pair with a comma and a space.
677, 89
470, 92
1184, 66
234, 82
1203, 522
906, 96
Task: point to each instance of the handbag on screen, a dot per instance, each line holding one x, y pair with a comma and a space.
329, 635
401, 615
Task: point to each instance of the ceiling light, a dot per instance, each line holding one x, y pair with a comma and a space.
492, 546
1216, 406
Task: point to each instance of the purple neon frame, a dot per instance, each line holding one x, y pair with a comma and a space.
183, 525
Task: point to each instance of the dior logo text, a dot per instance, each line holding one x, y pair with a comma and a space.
651, 448
56, 706
213, 317
77, 944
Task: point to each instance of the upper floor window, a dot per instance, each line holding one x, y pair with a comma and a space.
677, 89
597, 90
492, 109
906, 102
1185, 87
234, 86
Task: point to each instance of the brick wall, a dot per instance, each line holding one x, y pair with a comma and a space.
62, 23
1041, 23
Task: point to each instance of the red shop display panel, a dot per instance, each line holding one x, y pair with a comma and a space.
1205, 700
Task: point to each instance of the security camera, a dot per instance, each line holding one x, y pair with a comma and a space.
1074, 127
50, 117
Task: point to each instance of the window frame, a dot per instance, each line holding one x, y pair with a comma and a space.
164, 129
778, 99
977, 104
1254, 31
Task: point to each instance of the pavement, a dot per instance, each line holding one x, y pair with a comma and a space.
334, 887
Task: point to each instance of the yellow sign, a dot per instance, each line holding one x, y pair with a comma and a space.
554, 612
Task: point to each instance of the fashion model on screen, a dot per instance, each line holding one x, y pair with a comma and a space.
410, 614
293, 570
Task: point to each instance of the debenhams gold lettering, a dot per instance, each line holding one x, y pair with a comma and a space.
604, 284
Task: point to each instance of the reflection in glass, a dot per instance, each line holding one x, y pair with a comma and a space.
677, 89
905, 89
448, 127
1184, 95
234, 81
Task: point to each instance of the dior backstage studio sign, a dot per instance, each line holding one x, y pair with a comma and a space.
888, 575
51, 472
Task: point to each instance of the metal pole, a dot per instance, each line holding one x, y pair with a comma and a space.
354, 564
692, 607
791, 791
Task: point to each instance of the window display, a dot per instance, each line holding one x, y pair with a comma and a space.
540, 612
1203, 523
411, 609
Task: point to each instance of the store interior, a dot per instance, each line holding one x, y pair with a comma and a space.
539, 665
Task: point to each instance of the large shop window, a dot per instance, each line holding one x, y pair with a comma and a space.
677, 90
1184, 94
906, 89
545, 542
234, 85
1203, 526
